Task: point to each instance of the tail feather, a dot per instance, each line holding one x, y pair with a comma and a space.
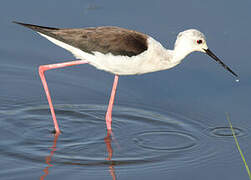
35, 27
41, 29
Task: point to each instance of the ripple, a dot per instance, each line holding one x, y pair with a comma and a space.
226, 131
165, 140
142, 137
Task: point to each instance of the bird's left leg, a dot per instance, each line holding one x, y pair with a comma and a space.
44, 68
108, 116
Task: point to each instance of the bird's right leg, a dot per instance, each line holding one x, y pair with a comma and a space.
44, 68
108, 116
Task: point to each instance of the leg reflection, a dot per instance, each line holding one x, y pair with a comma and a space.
49, 157
108, 141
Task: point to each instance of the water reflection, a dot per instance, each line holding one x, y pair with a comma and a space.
108, 141
150, 140
53, 148
49, 157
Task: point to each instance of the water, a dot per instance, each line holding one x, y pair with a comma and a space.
166, 125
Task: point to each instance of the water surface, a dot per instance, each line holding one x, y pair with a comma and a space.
166, 125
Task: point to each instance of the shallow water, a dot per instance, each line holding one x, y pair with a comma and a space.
166, 125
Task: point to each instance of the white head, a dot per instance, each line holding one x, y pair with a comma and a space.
190, 40
193, 40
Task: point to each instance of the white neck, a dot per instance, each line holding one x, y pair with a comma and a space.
179, 53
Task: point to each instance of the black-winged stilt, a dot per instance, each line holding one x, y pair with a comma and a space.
119, 51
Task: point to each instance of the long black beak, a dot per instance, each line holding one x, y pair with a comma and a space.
211, 54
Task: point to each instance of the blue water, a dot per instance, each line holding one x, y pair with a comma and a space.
167, 125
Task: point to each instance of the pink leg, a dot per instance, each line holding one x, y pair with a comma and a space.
44, 68
108, 117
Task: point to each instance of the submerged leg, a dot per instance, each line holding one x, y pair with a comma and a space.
44, 68
108, 116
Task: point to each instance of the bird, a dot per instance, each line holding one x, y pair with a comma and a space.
119, 51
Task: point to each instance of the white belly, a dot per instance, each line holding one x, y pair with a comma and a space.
123, 65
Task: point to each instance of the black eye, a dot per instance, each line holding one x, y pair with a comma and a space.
199, 41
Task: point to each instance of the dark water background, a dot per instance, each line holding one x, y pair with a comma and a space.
167, 125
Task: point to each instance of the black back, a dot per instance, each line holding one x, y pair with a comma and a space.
115, 40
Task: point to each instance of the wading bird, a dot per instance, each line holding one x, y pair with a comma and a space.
119, 51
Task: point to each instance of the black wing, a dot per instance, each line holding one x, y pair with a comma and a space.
115, 40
